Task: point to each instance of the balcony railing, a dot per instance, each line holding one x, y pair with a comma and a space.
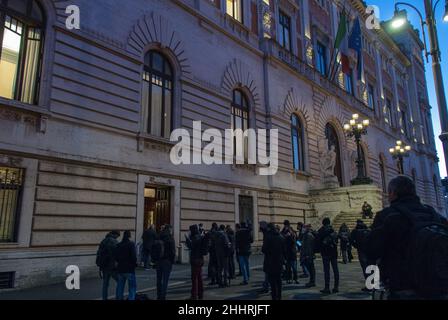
310, 73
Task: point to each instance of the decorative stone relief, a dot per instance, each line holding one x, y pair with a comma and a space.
237, 74
154, 28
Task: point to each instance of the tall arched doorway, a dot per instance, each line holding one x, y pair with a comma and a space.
333, 140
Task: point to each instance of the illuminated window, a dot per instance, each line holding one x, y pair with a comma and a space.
388, 112
321, 58
21, 35
240, 117
298, 150
284, 36
403, 122
157, 93
371, 97
348, 79
235, 9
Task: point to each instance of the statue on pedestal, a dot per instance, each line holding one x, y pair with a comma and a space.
328, 163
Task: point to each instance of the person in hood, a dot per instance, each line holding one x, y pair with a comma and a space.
105, 260
274, 250
126, 257
198, 246
166, 261
328, 244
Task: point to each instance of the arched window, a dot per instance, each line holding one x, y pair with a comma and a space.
298, 150
158, 94
21, 38
240, 116
383, 174
333, 141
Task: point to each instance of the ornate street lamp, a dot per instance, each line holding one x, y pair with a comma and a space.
399, 153
356, 129
430, 22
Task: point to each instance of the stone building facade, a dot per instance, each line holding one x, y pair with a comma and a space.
86, 115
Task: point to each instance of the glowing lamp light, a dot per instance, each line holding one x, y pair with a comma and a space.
356, 116
399, 19
445, 16
352, 122
392, 150
366, 123
408, 148
347, 127
399, 143
360, 126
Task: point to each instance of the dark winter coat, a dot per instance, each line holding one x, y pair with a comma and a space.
243, 241
126, 257
290, 243
231, 237
169, 247
149, 236
274, 250
196, 244
108, 246
388, 240
326, 251
222, 244
308, 246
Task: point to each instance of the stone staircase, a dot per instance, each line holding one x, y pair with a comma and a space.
349, 218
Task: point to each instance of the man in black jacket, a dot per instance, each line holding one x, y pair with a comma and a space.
389, 239
198, 245
291, 252
357, 236
106, 260
222, 251
328, 245
212, 263
126, 257
274, 256
243, 241
148, 237
231, 259
307, 254
166, 261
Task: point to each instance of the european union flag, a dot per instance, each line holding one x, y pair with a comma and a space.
355, 43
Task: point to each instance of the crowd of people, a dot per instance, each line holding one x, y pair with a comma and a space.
391, 242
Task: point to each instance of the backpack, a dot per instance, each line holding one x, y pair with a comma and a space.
427, 254
104, 256
157, 250
330, 241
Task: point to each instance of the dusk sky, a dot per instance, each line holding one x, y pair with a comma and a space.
386, 12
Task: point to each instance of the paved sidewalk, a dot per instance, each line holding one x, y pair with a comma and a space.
180, 286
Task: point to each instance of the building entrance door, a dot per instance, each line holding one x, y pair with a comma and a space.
246, 205
157, 207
